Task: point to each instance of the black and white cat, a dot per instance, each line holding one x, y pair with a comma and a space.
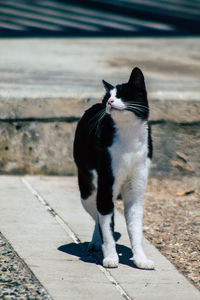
113, 150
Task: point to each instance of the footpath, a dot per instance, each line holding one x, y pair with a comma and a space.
43, 219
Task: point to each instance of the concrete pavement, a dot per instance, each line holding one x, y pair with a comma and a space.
74, 68
43, 219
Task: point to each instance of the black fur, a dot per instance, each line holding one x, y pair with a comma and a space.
150, 143
92, 139
90, 153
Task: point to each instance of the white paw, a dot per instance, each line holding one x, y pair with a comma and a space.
144, 263
94, 246
111, 262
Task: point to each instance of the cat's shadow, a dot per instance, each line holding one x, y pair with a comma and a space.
80, 250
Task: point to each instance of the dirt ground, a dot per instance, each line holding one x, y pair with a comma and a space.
172, 221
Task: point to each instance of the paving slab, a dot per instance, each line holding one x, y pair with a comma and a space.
43, 219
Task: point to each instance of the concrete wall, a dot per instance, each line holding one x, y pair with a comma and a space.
36, 135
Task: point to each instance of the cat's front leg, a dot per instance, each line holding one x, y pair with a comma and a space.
132, 194
133, 213
105, 208
110, 255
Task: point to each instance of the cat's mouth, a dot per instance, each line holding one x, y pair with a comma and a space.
110, 108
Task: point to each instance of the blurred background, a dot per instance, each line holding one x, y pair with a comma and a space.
53, 56
99, 18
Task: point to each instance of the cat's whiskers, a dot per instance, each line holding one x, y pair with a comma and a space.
100, 120
138, 106
138, 103
92, 120
97, 114
133, 108
99, 117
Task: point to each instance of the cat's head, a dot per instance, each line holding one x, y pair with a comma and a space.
130, 96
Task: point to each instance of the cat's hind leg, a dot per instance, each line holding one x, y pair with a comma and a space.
96, 242
87, 185
88, 191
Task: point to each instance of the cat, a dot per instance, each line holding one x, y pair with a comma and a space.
113, 151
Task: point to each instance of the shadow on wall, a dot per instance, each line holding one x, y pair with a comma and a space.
99, 18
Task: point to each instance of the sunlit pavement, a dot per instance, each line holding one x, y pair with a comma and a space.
43, 219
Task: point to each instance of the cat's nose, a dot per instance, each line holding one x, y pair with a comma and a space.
110, 101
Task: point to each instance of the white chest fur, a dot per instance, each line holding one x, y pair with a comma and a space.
129, 148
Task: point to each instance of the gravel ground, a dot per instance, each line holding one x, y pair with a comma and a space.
16, 280
172, 221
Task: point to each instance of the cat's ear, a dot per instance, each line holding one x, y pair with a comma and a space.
107, 86
137, 79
